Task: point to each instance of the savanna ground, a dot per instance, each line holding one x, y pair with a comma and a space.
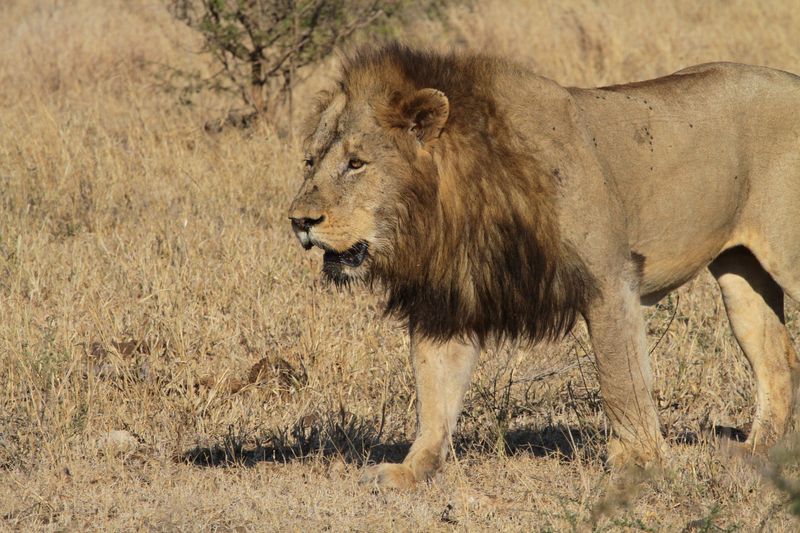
150, 286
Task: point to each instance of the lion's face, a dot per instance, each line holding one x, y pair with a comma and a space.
356, 167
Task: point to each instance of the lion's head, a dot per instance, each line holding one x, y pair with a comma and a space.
413, 178
369, 146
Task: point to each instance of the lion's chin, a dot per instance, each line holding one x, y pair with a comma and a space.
342, 275
352, 257
343, 268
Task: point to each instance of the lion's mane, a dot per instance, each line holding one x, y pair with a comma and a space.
477, 249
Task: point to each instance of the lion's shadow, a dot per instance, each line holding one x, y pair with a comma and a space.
359, 444
363, 447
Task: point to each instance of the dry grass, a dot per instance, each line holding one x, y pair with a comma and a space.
149, 283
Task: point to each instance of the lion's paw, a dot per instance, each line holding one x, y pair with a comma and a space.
624, 457
748, 452
389, 475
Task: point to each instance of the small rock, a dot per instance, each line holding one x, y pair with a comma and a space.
117, 442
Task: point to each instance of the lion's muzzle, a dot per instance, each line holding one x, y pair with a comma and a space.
302, 226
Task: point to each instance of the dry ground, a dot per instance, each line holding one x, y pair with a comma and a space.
149, 284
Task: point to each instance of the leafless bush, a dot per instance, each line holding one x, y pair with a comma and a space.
259, 45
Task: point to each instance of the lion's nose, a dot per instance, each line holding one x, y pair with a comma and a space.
305, 223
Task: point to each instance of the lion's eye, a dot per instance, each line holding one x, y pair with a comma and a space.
309, 162
355, 164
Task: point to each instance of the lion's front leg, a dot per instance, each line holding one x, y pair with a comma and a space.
616, 327
443, 371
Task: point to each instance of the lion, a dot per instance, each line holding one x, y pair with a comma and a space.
492, 203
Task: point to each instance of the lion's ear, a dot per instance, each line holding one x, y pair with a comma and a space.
426, 113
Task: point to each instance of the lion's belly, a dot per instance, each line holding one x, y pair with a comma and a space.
662, 273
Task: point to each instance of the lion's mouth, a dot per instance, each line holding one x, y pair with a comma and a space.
352, 257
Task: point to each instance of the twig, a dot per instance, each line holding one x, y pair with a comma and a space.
547, 374
669, 324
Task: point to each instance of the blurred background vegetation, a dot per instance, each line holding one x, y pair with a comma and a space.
260, 48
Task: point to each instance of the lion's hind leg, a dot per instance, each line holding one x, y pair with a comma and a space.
754, 303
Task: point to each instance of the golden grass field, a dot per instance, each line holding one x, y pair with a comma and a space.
150, 285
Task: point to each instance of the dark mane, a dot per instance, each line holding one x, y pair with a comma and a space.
477, 247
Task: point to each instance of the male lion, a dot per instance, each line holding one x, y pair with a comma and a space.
494, 203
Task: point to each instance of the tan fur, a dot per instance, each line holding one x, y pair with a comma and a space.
491, 203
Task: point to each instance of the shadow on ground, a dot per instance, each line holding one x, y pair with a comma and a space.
359, 443
711, 434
